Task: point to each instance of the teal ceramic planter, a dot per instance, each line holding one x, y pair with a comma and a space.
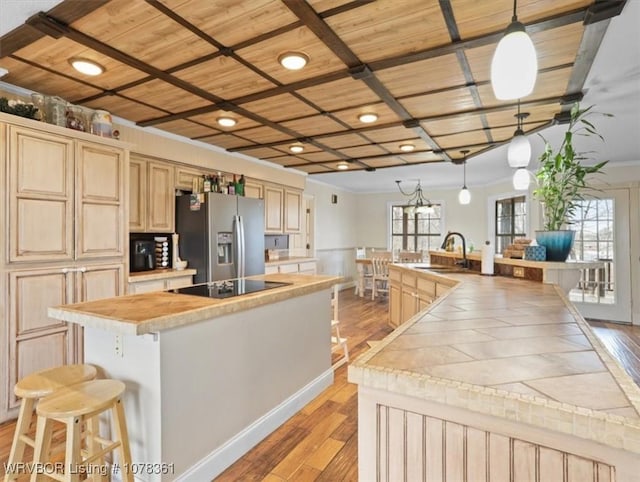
558, 244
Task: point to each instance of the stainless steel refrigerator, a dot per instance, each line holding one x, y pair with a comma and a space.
222, 238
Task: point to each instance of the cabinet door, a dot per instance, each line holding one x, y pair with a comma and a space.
100, 223
184, 177
253, 189
161, 199
37, 342
273, 206
409, 304
95, 283
137, 194
395, 303
40, 196
293, 211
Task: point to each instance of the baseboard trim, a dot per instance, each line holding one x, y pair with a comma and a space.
220, 459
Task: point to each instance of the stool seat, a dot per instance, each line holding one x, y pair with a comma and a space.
43, 383
32, 388
81, 399
75, 406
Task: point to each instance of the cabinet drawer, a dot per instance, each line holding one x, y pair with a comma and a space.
173, 283
308, 267
289, 268
146, 286
270, 269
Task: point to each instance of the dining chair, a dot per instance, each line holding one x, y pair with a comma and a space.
380, 279
410, 257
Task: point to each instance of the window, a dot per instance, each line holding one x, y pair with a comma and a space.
415, 231
593, 222
511, 217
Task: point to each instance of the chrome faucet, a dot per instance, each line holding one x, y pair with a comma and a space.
465, 262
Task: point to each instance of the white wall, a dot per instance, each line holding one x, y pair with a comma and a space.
335, 229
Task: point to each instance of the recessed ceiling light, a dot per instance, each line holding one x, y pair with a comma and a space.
343, 166
296, 148
407, 147
293, 60
226, 121
86, 66
368, 117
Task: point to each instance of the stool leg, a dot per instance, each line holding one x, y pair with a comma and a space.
16, 455
73, 458
42, 446
93, 446
123, 436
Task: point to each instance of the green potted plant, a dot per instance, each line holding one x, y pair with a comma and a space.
561, 182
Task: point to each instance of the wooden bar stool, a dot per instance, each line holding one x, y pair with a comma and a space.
71, 406
32, 388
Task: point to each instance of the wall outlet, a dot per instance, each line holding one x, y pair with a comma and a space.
119, 346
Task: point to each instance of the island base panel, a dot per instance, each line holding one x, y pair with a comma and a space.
201, 395
401, 438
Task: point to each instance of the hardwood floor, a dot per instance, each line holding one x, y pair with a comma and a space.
320, 442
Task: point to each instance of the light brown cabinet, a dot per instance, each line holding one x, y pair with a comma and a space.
253, 189
66, 199
273, 209
411, 292
151, 195
292, 211
65, 242
282, 210
161, 284
37, 341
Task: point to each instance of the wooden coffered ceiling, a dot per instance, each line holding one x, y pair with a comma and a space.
421, 65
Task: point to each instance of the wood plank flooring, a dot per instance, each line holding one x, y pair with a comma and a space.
320, 442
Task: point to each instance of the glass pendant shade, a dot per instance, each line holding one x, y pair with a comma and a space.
521, 179
519, 150
514, 65
464, 196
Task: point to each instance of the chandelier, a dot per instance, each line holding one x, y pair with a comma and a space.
417, 203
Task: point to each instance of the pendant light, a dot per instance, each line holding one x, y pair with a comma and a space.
514, 65
464, 196
521, 179
519, 151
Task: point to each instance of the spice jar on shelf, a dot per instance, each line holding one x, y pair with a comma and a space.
101, 123
75, 118
56, 108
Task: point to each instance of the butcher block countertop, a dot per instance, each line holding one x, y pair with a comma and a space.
157, 274
510, 348
163, 310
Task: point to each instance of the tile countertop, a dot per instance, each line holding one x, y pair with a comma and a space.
157, 274
162, 310
289, 260
511, 348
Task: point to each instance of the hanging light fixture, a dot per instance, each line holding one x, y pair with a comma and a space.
519, 150
514, 66
417, 202
521, 179
464, 196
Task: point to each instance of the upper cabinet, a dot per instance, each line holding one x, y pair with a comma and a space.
273, 207
253, 189
292, 211
282, 209
66, 197
151, 196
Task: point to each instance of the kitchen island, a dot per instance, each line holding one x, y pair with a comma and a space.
496, 379
208, 378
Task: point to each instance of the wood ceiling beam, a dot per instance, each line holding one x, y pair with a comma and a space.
357, 69
453, 115
68, 12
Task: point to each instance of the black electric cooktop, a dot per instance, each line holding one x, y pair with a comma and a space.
229, 288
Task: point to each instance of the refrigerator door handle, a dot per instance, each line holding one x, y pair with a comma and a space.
242, 256
237, 249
